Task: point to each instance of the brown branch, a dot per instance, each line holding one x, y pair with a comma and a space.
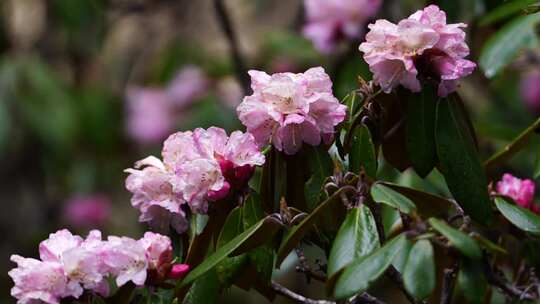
296, 297
228, 29
495, 278
448, 283
366, 298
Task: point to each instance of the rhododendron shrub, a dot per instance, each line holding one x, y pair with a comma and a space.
386, 187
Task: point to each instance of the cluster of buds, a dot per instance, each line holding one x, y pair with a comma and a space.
521, 191
69, 265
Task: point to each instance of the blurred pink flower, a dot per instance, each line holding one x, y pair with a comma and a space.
88, 211
178, 271
521, 191
330, 20
41, 282
189, 84
421, 44
530, 90
150, 115
288, 109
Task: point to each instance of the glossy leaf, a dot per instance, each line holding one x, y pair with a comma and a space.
295, 235
223, 252
427, 204
362, 272
420, 129
357, 237
459, 161
506, 10
385, 195
522, 218
419, 273
471, 281
503, 47
362, 153
205, 290
321, 166
461, 241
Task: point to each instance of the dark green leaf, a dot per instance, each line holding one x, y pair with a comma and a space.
321, 167
357, 237
461, 241
506, 10
420, 128
205, 290
362, 153
293, 236
419, 273
504, 46
459, 160
427, 204
536, 172
385, 195
223, 252
522, 218
471, 281
361, 273
487, 244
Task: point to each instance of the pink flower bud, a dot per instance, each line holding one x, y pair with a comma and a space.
221, 193
178, 271
88, 211
530, 90
521, 191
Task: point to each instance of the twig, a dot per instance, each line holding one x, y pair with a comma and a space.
509, 150
395, 276
500, 282
296, 297
366, 298
226, 25
448, 284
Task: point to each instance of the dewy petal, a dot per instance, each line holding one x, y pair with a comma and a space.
52, 248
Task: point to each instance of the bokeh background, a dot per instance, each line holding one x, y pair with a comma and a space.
88, 87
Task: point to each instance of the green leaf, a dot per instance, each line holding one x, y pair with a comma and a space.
505, 45
205, 290
293, 236
357, 237
419, 273
487, 244
459, 161
506, 10
461, 241
536, 172
471, 281
427, 204
362, 153
198, 222
385, 195
266, 225
420, 129
362, 272
522, 218
321, 167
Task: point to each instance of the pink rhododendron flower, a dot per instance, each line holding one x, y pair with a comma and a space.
521, 191
423, 45
289, 109
198, 167
330, 20
125, 258
189, 84
150, 116
530, 90
88, 211
153, 195
53, 248
158, 249
41, 281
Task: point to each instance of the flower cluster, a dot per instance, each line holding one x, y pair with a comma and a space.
521, 191
197, 167
69, 264
421, 45
288, 109
152, 111
330, 20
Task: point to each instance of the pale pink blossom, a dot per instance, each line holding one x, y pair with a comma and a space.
53, 248
125, 258
521, 191
150, 115
328, 21
88, 210
530, 90
289, 109
189, 84
421, 46
158, 249
41, 281
153, 195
